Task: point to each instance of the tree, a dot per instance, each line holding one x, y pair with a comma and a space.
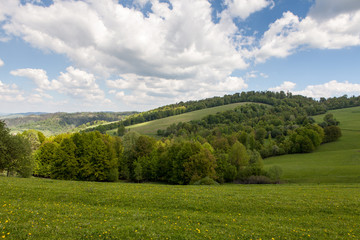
65, 166
45, 157
239, 157
138, 173
15, 153
121, 130
332, 133
200, 165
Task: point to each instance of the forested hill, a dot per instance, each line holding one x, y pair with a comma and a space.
309, 105
55, 123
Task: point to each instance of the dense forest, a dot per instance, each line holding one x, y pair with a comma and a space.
225, 147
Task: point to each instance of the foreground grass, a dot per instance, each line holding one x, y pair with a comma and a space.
150, 128
336, 162
50, 209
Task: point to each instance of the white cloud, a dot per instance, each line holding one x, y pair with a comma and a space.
324, 9
244, 8
1, 63
285, 86
39, 76
107, 38
134, 89
330, 89
74, 82
80, 84
290, 33
10, 93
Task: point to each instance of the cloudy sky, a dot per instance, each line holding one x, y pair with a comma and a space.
108, 55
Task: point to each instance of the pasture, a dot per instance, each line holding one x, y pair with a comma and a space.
51, 209
335, 162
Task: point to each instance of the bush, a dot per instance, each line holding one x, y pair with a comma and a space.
258, 180
206, 181
275, 173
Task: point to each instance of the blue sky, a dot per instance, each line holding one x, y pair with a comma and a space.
68, 55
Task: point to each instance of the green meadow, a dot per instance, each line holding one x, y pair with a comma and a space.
52, 209
335, 162
319, 200
150, 128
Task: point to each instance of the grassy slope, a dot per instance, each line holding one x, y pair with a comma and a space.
332, 162
50, 209
150, 128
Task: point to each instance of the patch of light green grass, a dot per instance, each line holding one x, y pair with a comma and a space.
50, 209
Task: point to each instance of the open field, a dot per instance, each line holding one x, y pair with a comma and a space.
336, 162
150, 128
50, 209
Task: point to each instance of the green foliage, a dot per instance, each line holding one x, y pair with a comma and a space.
81, 156
332, 133
334, 162
15, 153
275, 173
206, 181
239, 157
121, 130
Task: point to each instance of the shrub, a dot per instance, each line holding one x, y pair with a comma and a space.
206, 181
258, 180
275, 173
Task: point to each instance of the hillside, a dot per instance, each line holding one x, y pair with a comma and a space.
150, 128
335, 162
56, 123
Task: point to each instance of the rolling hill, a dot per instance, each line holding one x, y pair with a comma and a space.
335, 162
150, 128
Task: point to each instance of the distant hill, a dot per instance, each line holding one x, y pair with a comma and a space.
18, 115
56, 123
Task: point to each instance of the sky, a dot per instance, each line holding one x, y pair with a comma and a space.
136, 55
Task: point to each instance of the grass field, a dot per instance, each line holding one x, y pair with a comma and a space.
336, 162
150, 128
51, 209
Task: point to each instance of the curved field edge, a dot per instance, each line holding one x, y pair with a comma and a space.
335, 162
150, 128
53, 209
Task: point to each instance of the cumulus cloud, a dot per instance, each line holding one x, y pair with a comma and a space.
39, 76
133, 89
324, 9
329, 89
74, 82
244, 8
80, 84
1, 63
289, 33
10, 93
107, 37
286, 86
